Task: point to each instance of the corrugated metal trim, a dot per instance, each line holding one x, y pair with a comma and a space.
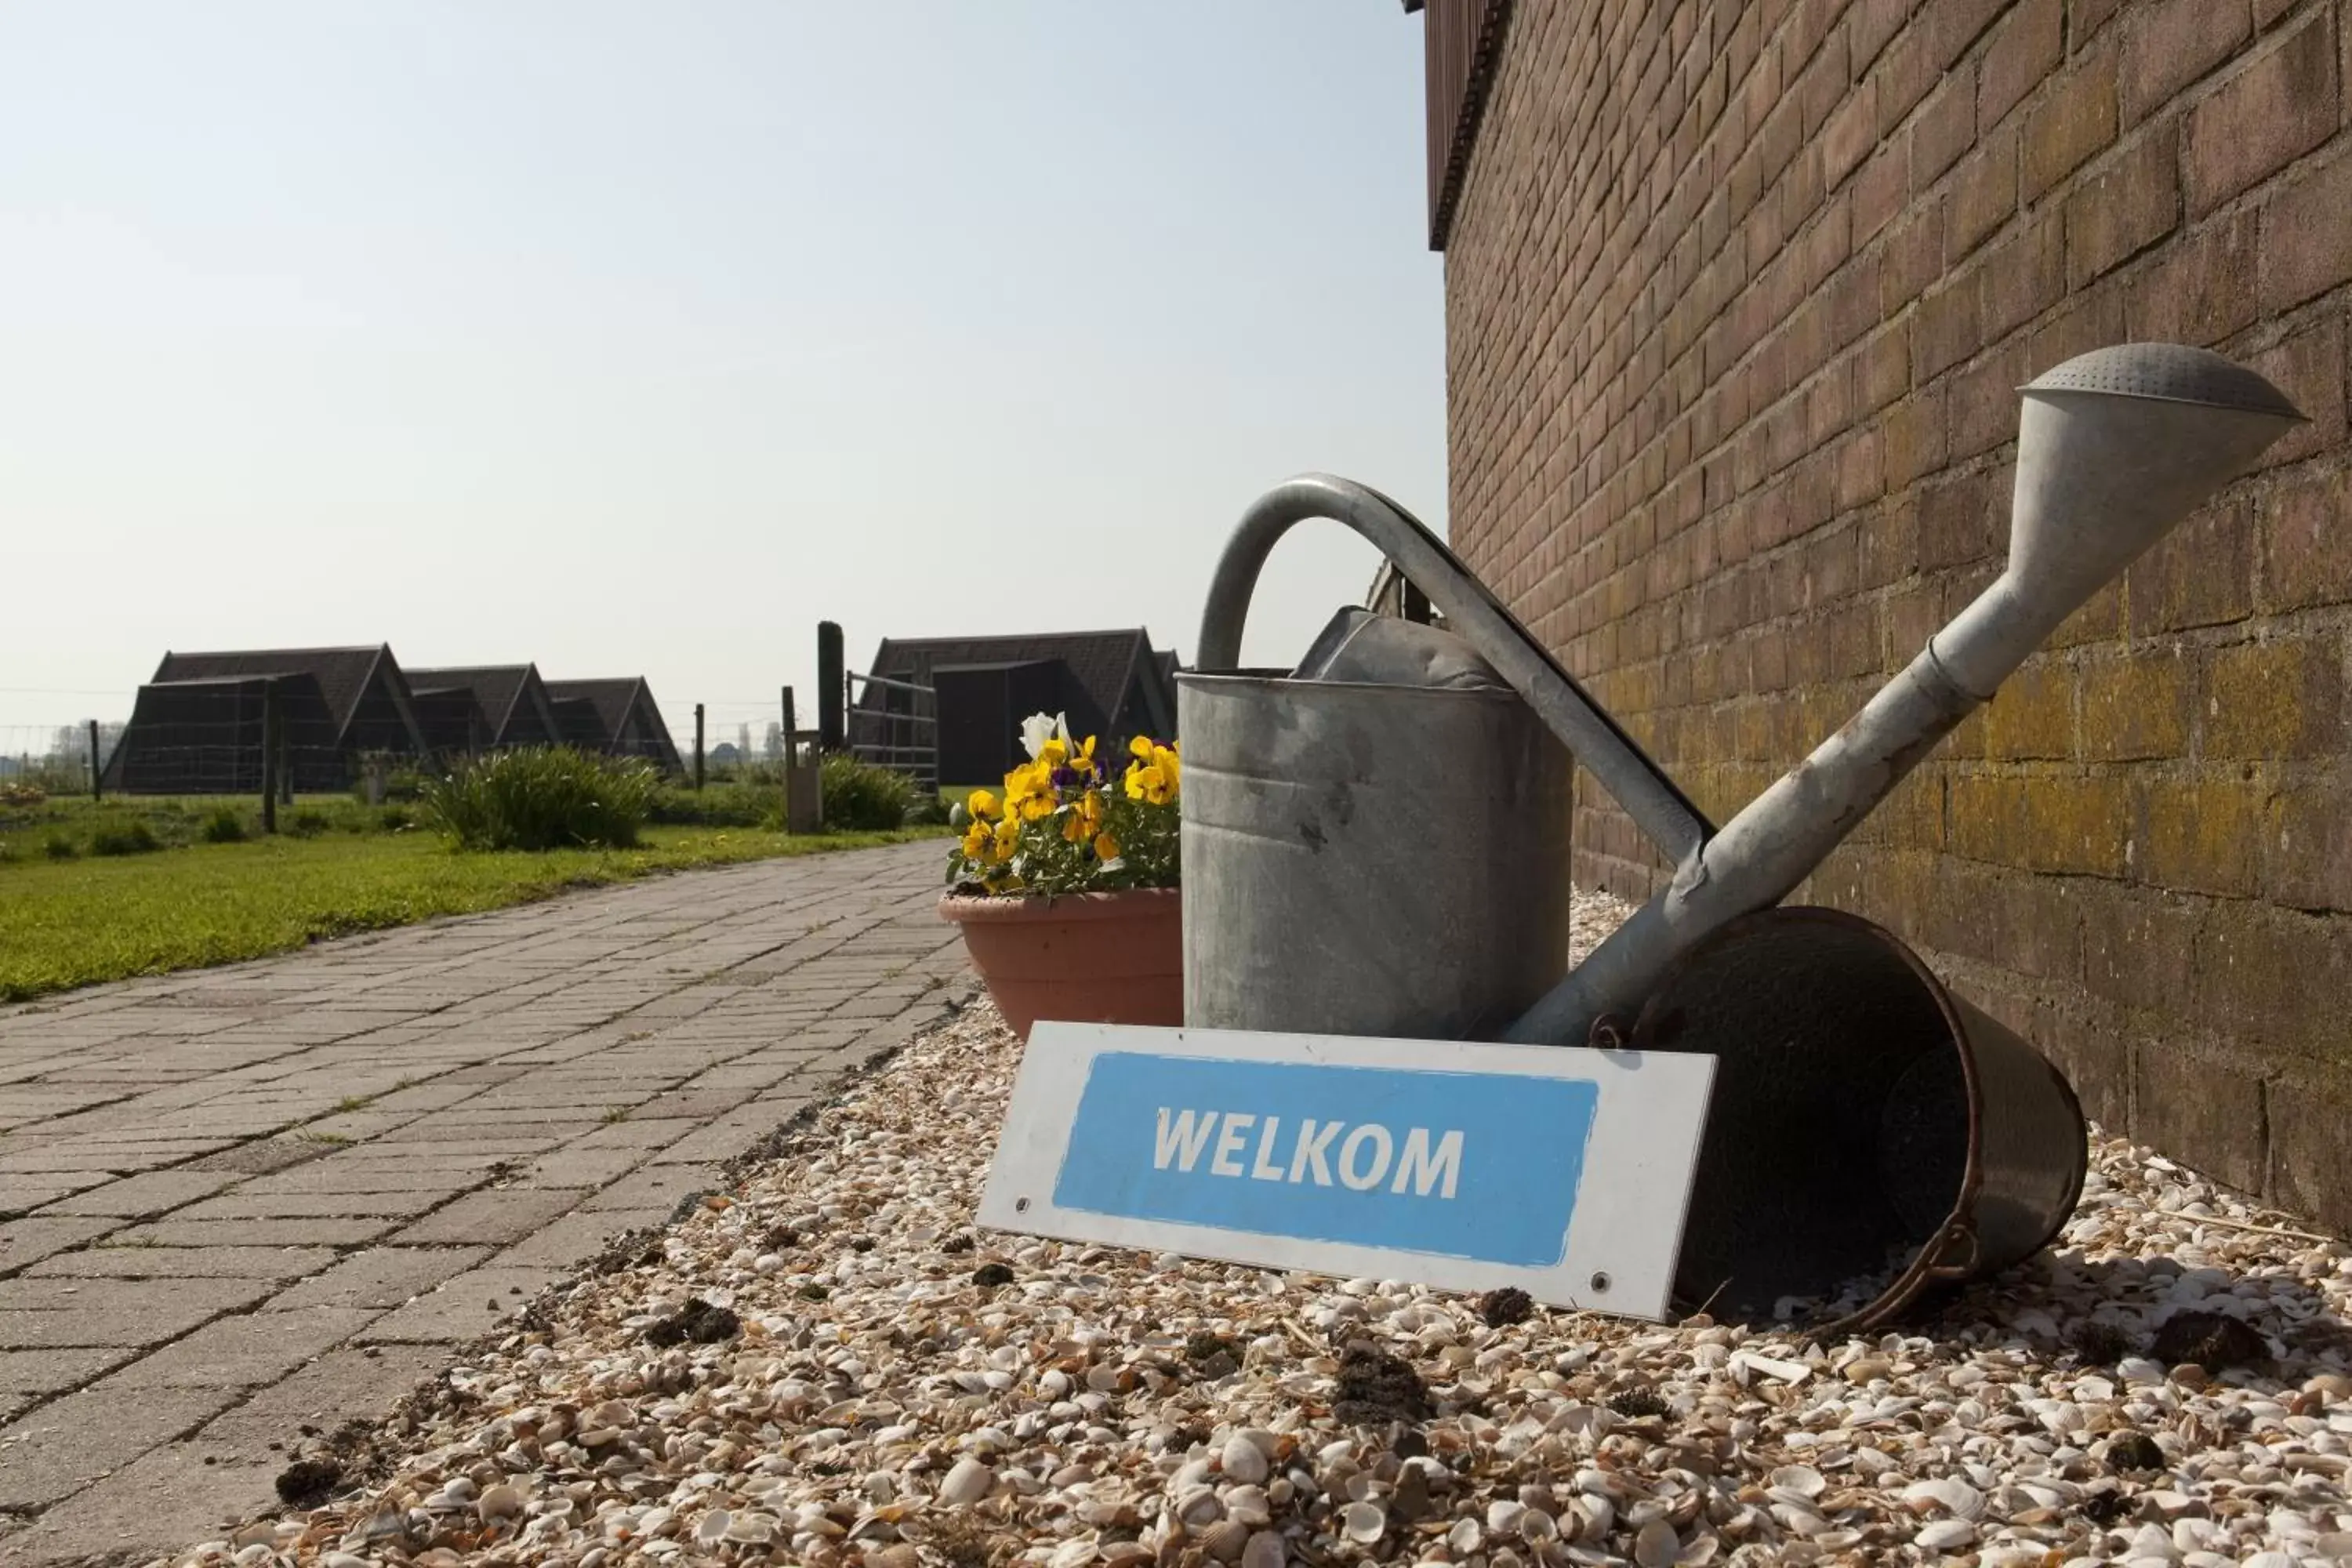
1463, 39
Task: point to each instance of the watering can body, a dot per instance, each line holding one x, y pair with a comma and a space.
1366, 859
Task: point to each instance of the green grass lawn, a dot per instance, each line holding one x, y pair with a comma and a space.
72, 922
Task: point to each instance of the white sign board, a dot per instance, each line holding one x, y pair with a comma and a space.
1468, 1166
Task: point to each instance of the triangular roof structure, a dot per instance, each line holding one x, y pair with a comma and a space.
348, 679
513, 698
1118, 671
626, 715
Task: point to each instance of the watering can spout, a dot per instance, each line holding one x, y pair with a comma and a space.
2115, 449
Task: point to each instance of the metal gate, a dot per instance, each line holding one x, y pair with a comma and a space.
895, 723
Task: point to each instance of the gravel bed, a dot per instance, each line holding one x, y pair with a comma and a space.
831, 1367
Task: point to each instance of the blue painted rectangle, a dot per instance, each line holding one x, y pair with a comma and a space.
1455, 1164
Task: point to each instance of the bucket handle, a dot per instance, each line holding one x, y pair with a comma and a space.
1666, 816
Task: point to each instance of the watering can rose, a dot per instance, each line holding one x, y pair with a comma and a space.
1063, 825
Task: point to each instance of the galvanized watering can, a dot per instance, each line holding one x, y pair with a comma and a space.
1376, 843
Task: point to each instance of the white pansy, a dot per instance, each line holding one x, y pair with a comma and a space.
1039, 728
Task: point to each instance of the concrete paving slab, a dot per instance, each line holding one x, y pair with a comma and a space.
277, 1196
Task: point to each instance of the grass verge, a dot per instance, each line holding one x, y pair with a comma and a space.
77, 922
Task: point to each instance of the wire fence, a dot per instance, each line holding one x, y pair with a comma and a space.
55, 758
210, 739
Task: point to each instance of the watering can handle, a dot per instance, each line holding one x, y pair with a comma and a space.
1668, 819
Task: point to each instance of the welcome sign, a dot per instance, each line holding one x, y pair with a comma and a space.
1563, 1172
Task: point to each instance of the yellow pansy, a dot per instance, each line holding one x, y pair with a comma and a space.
983, 805
977, 840
1084, 818
1106, 847
1029, 791
1006, 838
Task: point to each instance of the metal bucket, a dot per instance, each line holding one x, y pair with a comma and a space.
1870, 1136
1369, 859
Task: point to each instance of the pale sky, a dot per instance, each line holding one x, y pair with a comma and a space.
638, 338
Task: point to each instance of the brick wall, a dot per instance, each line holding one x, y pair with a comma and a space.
1739, 293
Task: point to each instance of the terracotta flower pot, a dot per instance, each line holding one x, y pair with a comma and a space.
1088, 958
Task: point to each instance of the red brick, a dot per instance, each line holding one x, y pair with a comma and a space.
2202, 835
1904, 73
2204, 1106
1821, 85
1861, 476
2026, 45
1879, 190
2136, 707
2133, 943
1958, 522
2097, 1061
2279, 698
1983, 195
1914, 442
2084, 321
2309, 368
2308, 856
2068, 823
2032, 715
2022, 277
2310, 1159
2306, 235
2168, 44
2279, 107
1947, 127
2085, 17
1913, 258
1870, 25
2202, 288
2276, 978
1954, 25
2131, 203
1881, 371
2201, 576
1984, 401
2072, 123
2304, 558
1852, 132
1945, 330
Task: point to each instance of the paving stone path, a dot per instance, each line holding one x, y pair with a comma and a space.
248, 1200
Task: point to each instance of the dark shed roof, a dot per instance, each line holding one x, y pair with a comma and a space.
1106, 665
625, 711
513, 698
345, 676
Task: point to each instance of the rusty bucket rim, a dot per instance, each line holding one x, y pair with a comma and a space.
1936, 1262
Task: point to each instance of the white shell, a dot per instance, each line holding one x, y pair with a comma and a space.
966, 1481
1802, 1481
1243, 1460
1655, 1546
1952, 1495
1944, 1534
1364, 1522
1224, 1540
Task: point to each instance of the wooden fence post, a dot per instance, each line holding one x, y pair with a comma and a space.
97, 788
832, 689
697, 746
